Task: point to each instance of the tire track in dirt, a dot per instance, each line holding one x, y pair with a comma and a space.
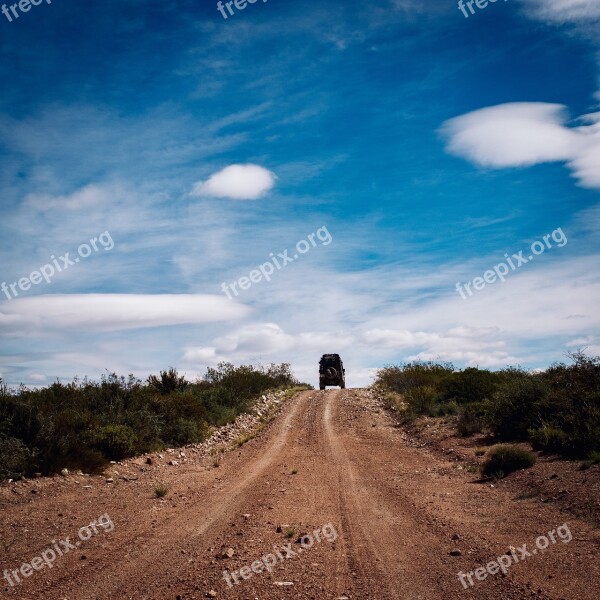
355, 535
155, 549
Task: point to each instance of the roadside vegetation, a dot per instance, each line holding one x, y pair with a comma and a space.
85, 424
557, 410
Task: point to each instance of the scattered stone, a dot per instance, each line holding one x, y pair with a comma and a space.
211, 594
173, 463
149, 461
110, 480
282, 583
64, 472
227, 553
455, 552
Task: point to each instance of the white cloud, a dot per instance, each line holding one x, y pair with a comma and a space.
240, 182
525, 134
87, 197
114, 312
563, 11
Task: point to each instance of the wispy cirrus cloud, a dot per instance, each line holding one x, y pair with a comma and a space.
563, 11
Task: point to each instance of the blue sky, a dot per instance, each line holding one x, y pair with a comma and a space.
426, 144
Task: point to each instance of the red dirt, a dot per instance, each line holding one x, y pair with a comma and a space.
332, 457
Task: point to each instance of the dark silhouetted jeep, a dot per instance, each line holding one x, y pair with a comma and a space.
331, 371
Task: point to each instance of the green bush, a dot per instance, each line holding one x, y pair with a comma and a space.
470, 385
114, 441
85, 424
402, 379
551, 440
514, 409
421, 399
444, 409
572, 404
169, 382
504, 460
15, 458
557, 410
471, 419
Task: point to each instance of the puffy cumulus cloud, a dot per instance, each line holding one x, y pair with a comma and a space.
563, 11
511, 135
525, 134
113, 312
471, 345
470, 358
268, 342
262, 340
239, 182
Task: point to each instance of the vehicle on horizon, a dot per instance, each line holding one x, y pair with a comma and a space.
331, 371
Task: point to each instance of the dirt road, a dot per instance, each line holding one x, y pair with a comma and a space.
384, 520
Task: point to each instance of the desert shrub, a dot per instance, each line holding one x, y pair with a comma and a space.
421, 399
557, 410
402, 379
170, 381
550, 439
184, 431
160, 490
470, 385
115, 441
444, 409
471, 418
16, 460
394, 401
514, 408
573, 404
504, 460
84, 424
